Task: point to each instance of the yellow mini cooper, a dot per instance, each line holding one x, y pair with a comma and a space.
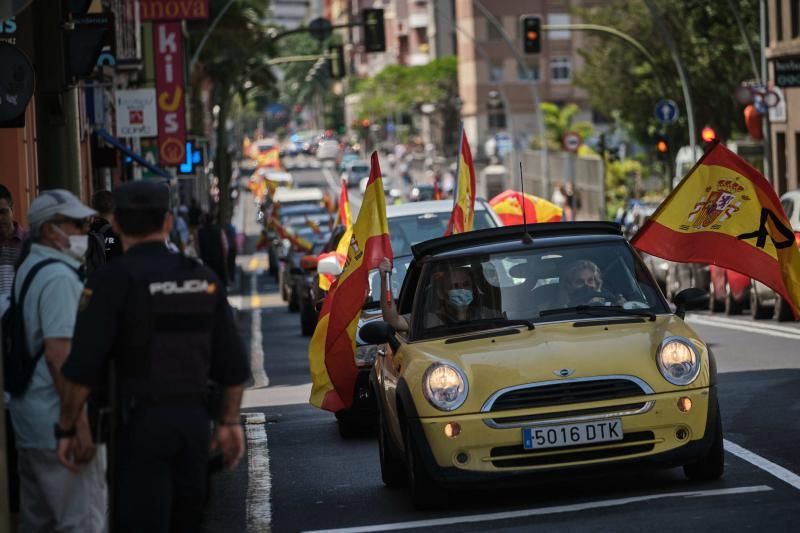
517, 352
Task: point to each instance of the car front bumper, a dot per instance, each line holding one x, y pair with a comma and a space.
481, 453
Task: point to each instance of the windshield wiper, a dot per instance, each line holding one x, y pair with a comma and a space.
485, 323
600, 309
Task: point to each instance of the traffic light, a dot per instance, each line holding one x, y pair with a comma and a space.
662, 148
336, 61
708, 134
532, 35
374, 32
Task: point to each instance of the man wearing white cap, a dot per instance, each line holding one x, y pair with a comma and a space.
53, 498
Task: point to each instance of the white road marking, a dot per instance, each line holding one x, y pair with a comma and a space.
760, 324
786, 333
260, 378
764, 464
510, 515
259, 478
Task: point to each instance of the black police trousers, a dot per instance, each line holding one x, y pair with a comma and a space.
161, 467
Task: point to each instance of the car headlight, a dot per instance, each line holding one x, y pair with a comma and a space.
445, 386
365, 355
678, 360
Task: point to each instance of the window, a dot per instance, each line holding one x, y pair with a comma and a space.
561, 69
558, 18
795, 6
496, 71
497, 118
529, 74
779, 20
492, 33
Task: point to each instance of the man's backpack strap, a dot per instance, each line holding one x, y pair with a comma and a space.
26, 284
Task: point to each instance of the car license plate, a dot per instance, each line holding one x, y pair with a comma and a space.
539, 437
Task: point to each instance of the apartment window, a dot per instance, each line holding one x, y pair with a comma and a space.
795, 19
497, 119
779, 20
558, 18
492, 33
531, 73
496, 71
561, 69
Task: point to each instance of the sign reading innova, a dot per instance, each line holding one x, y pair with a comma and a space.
173, 9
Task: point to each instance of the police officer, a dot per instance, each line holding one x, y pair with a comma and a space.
161, 322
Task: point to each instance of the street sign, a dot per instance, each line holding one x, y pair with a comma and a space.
136, 113
572, 141
504, 144
320, 28
17, 81
666, 111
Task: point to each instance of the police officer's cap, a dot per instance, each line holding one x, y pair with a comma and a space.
142, 195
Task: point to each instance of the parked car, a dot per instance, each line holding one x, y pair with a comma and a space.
764, 302
681, 276
355, 171
522, 382
728, 290
408, 224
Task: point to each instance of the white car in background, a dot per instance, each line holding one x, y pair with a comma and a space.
327, 149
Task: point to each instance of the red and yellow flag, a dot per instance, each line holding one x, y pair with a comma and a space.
345, 215
269, 159
463, 215
724, 212
331, 354
285, 233
509, 205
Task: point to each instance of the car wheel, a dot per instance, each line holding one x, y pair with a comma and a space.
393, 470
349, 427
712, 465
424, 491
714, 305
757, 310
308, 318
294, 301
732, 307
783, 311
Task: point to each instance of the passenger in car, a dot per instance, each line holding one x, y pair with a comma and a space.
454, 298
582, 284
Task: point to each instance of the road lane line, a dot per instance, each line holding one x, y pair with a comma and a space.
742, 327
760, 324
259, 478
510, 515
764, 464
260, 378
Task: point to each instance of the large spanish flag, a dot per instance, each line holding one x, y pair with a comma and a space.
463, 215
509, 206
724, 212
331, 354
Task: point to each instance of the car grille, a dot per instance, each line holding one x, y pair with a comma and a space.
567, 392
517, 456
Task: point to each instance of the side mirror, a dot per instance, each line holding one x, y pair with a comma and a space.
691, 298
329, 265
379, 332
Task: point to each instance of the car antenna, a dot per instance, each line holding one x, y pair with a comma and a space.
526, 237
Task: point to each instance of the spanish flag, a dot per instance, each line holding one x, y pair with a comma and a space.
346, 220
345, 215
463, 215
270, 159
285, 233
726, 213
331, 354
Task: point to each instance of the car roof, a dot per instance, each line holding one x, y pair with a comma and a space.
306, 194
511, 237
429, 206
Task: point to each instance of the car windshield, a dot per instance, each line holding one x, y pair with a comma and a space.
359, 169
408, 230
538, 285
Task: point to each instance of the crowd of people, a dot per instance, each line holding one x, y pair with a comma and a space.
124, 322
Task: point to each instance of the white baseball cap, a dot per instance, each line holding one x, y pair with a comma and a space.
56, 202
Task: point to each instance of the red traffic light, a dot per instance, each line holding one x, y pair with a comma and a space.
662, 147
708, 134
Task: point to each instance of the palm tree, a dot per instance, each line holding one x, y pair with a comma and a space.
560, 120
235, 60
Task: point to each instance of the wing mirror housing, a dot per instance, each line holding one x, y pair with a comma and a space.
691, 298
329, 265
379, 332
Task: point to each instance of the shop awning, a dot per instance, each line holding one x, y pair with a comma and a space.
116, 143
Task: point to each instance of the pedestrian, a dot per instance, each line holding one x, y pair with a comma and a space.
212, 246
11, 238
103, 203
54, 498
161, 322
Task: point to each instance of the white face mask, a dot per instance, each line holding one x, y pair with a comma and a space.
78, 245
460, 297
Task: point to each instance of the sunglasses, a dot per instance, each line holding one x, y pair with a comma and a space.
79, 223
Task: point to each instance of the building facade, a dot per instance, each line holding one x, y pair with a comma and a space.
783, 55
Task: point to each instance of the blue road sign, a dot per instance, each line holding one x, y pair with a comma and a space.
666, 111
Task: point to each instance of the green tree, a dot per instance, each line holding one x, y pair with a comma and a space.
618, 77
234, 59
560, 120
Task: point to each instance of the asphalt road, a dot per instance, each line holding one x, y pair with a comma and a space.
300, 475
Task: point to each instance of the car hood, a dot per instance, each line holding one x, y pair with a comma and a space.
494, 363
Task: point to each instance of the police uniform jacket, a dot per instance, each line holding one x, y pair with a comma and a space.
164, 320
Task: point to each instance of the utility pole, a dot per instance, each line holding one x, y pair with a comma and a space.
764, 19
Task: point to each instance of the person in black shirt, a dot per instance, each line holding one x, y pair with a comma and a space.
103, 203
162, 323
